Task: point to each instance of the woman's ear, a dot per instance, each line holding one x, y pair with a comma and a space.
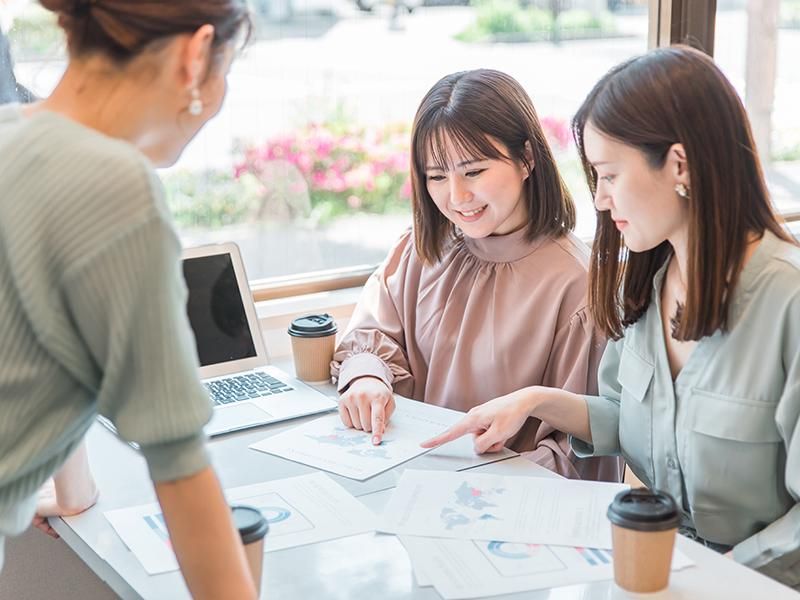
197, 56
529, 163
677, 164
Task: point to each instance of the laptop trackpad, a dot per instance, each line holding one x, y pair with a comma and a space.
236, 417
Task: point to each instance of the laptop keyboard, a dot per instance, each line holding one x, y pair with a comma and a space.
245, 387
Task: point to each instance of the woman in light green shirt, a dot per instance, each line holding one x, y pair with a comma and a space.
698, 286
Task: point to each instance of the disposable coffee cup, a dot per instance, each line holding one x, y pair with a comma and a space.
252, 528
313, 342
643, 527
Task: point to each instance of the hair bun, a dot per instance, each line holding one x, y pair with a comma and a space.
121, 29
68, 7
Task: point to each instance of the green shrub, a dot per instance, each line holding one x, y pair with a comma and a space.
501, 16
578, 19
790, 13
787, 154
212, 198
539, 19
35, 35
506, 20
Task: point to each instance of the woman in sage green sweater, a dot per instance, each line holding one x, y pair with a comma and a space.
92, 299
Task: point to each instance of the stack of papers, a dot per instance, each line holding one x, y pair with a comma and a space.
300, 510
474, 535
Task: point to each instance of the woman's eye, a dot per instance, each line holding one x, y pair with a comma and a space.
474, 173
435, 177
608, 178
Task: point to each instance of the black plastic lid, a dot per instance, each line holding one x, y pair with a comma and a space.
644, 510
313, 326
250, 522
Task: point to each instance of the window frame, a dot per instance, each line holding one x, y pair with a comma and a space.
682, 22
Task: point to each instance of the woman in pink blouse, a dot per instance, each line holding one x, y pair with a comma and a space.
487, 293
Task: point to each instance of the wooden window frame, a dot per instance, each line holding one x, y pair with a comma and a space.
682, 22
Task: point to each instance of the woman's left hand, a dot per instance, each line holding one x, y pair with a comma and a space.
69, 492
46, 506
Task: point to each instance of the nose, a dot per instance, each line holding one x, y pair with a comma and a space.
459, 193
602, 199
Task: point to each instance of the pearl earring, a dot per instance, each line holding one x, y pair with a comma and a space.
682, 190
196, 105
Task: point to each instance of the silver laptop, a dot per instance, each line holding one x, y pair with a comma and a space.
234, 364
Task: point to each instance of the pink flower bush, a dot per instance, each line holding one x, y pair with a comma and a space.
346, 167
349, 168
557, 132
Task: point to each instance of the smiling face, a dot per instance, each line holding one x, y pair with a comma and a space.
481, 196
641, 199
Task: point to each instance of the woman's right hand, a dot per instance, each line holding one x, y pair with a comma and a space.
367, 405
492, 423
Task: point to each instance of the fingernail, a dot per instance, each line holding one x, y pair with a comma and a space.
376, 440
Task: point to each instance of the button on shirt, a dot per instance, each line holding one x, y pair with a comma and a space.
723, 437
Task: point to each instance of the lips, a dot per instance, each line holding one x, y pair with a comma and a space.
473, 214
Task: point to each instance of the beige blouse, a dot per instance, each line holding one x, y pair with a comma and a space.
493, 316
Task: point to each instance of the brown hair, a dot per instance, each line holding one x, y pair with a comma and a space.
469, 108
668, 96
122, 29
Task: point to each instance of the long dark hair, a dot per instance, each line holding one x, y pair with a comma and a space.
122, 29
469, 108
668, 96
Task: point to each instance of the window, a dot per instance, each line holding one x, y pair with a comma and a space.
757, 44
306, 166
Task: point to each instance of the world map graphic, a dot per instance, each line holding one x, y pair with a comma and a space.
475, 501
355, 442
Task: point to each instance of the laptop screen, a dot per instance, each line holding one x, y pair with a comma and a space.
216, 311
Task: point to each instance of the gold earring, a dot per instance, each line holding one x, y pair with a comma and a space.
682, 190
196, 105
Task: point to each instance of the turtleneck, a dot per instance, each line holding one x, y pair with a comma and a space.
503, 248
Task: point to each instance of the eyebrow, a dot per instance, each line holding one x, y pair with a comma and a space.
601, 162
463, 163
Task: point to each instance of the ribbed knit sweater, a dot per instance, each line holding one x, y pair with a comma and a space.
92, 309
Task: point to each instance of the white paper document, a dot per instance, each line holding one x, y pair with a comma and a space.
460, 454
481, 506
300, 510
477, 569
327, 444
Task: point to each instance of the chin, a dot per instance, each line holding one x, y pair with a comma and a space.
475, 233
162, 155
639, 245
167, 162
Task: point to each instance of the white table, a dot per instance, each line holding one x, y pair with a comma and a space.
368, 566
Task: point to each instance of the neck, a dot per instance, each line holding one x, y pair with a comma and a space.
680, 247
95, 94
